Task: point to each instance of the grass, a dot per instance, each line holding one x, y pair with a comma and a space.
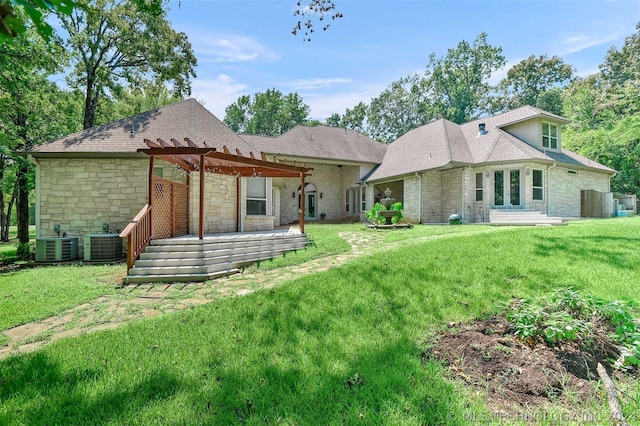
8, 250
338, 347
37, 293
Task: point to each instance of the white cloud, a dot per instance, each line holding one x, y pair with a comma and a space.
315, 83
574, 43
322, 106
217, 94
230, 48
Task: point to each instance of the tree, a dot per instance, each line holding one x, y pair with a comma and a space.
531, 82
354, 118
399, 108
457, 84
322, 10
31, 112
115, 43
268, 114
12, 24
586, 104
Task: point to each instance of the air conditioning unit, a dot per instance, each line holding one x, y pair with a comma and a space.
102, 247
56, 249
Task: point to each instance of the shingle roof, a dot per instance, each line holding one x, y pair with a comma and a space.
183, 119
321, 142
445, 144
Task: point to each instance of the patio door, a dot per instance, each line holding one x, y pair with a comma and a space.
310, 204
506, 188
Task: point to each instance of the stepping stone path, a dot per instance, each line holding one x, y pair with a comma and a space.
135, 301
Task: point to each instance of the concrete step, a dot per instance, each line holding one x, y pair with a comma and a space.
192, 251
207, 258
178, 278
522, 217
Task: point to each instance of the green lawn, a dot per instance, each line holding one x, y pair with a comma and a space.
8, 250
338, 347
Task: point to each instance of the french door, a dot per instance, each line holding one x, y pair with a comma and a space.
506, 188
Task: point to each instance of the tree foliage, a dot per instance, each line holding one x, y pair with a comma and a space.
532, 82
399, 108
309, 12
32, 110
117, 43
268, 114
458, 83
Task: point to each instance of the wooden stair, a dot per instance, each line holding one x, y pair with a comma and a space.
188, 259
523, 218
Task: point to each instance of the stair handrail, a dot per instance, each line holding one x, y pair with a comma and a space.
138, 233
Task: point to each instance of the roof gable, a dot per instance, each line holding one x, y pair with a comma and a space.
186, 119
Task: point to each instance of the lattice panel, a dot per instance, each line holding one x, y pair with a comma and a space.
170, 209
162, 207
181, 209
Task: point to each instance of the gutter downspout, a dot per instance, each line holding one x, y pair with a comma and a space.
549, 187
32, 159
419, 198
464, 187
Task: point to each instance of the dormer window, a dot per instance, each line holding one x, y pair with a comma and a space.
549, 136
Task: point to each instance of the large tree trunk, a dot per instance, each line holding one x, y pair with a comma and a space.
22, 204
90, 105
4, 229
22, 183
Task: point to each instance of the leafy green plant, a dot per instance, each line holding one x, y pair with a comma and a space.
25, 251
568, 315
373, 216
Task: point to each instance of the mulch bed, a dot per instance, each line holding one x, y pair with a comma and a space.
519, 375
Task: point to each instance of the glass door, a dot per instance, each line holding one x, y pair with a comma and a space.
506, 188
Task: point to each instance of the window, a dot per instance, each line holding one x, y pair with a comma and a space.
549, 136
257, 196
538, 188
479, 186
158, 171
364, 199
353, 201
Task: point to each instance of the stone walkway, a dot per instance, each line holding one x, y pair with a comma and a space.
137, 301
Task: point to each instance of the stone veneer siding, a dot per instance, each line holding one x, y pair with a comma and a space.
81, 195
219, 203
565, 189
330, 180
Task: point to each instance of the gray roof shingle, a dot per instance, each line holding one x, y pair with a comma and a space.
183, 119
321, 142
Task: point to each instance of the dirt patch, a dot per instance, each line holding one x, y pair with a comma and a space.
517, 375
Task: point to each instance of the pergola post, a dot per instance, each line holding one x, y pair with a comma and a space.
152, 159
201, 207
302, 203
238, 207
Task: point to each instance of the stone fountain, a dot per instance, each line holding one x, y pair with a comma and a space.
387, 202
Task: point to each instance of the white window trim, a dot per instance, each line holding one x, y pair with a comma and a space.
269, 199
556, 138
541, 187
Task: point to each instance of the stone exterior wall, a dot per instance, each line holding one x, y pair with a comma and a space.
411, 201
81, 195
330, 180
452, 201
565, 189
219, 203
432, 197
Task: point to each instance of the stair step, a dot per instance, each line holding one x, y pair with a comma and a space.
192, 259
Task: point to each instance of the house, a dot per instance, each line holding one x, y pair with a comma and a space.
99, 179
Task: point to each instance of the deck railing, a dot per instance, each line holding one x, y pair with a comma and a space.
138, 234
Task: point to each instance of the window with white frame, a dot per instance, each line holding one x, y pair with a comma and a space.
549, 136
353, 201
364, 199
257, 196
479, 186
538, 185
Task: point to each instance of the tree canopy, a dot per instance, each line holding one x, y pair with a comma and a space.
116, 43
268, 114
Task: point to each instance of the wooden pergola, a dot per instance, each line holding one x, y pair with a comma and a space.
194, 158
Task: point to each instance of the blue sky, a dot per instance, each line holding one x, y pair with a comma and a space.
246, 46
